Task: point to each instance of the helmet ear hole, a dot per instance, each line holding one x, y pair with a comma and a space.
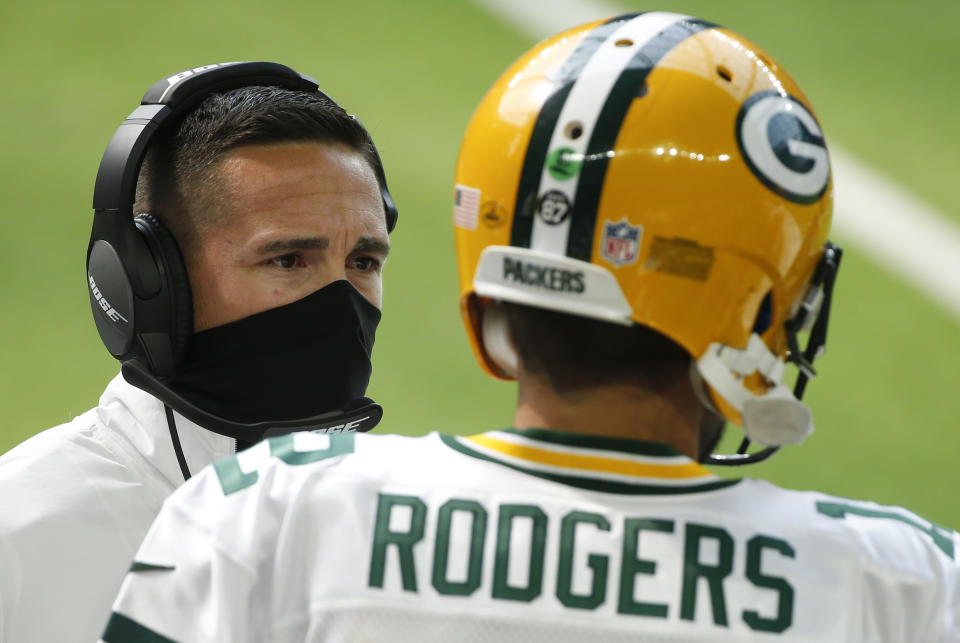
497, 340
764, 315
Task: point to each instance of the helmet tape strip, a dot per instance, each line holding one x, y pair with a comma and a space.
556, 213
608, 123
546, 123
557, 199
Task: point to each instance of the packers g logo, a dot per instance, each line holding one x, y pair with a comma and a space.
783, 146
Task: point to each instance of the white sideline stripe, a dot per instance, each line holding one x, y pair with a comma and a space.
907, 237
903, 234
541, 19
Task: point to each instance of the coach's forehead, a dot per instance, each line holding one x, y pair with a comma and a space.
280, 177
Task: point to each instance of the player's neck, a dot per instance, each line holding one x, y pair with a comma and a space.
618, 411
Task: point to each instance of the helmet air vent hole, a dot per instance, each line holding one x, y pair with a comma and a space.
624, 42
724, 73
573, 130
764, 315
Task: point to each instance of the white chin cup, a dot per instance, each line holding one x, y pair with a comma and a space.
775, 418
497, 342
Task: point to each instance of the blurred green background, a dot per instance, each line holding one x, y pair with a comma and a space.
883, 80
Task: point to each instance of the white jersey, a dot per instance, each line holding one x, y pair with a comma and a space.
76, 502
524, 536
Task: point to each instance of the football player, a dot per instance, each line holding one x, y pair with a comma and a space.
641, 213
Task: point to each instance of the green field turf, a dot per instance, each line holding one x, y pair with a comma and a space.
881, 76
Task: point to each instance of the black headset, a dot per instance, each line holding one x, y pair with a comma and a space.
139, 290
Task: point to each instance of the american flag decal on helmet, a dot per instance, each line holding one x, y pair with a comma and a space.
466, 207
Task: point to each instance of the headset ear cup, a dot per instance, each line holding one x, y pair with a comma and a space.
176, 281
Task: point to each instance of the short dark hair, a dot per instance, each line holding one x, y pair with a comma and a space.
178, 166
575, 353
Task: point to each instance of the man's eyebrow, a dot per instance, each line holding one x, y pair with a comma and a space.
296, 243
372, 245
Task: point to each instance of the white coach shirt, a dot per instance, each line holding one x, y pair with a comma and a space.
524, 536
75, 503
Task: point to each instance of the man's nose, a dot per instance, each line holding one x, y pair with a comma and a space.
331, 271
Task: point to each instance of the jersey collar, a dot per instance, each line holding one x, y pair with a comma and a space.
591, 462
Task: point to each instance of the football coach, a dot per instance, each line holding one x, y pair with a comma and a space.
240, 227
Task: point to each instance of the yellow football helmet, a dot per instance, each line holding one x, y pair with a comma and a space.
656, 169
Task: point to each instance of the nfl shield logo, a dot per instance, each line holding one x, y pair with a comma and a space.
621, 242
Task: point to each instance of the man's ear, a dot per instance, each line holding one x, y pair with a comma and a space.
497, 339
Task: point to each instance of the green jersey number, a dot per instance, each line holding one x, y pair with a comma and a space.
941, 536
233, 478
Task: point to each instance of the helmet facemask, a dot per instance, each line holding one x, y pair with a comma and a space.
776, 417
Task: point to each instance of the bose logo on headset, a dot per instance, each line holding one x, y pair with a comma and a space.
176, 78
783, 145
108, 310
173, 80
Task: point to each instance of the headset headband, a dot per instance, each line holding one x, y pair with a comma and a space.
175, 96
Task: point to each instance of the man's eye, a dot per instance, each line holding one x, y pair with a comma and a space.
366, 264
286, 262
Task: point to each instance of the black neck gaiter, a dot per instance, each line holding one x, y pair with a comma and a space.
296, 361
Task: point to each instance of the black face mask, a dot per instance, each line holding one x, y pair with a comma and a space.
302, 366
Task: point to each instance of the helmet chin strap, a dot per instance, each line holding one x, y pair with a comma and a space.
777, 417
774, 418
